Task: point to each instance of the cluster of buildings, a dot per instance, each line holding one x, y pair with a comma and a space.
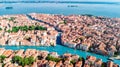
98, 34
90, 33
41, 61
30, 37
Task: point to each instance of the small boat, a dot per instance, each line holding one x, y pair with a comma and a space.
72, 6
8, 7
111, 59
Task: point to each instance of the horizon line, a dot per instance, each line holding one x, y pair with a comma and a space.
78, 2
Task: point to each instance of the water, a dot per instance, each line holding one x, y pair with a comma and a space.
64, 0
103, 9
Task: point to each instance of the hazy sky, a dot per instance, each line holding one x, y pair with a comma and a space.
68, 0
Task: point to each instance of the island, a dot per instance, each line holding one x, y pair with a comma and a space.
90, 33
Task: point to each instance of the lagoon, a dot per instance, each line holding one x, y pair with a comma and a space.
94, 8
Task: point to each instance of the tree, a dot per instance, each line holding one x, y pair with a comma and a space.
40, 28
23, 61
31, 59
32, 27
26, 28
73, 61
8, 31
53, 58
20, 27
64, 21
17, 59
23, 28
80, 58
0, 29
116, 54
15, 29
2, 57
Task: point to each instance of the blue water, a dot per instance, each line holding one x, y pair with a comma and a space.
60, 50
108, 10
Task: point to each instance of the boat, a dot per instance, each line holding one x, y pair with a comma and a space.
114, 58
111, 59
8, 7
72, 6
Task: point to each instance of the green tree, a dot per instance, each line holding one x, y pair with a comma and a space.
32, 27
64, 21
8, 31
0, 29
116, 54
17, 59
23, 61
26, 28
80, 58
31, 59
73, 61
23, 28
15, 29
40, 28
53, 58
2, 57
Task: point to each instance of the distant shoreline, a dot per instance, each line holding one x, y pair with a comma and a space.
77, 2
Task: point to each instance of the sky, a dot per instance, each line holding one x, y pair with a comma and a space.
68, 0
